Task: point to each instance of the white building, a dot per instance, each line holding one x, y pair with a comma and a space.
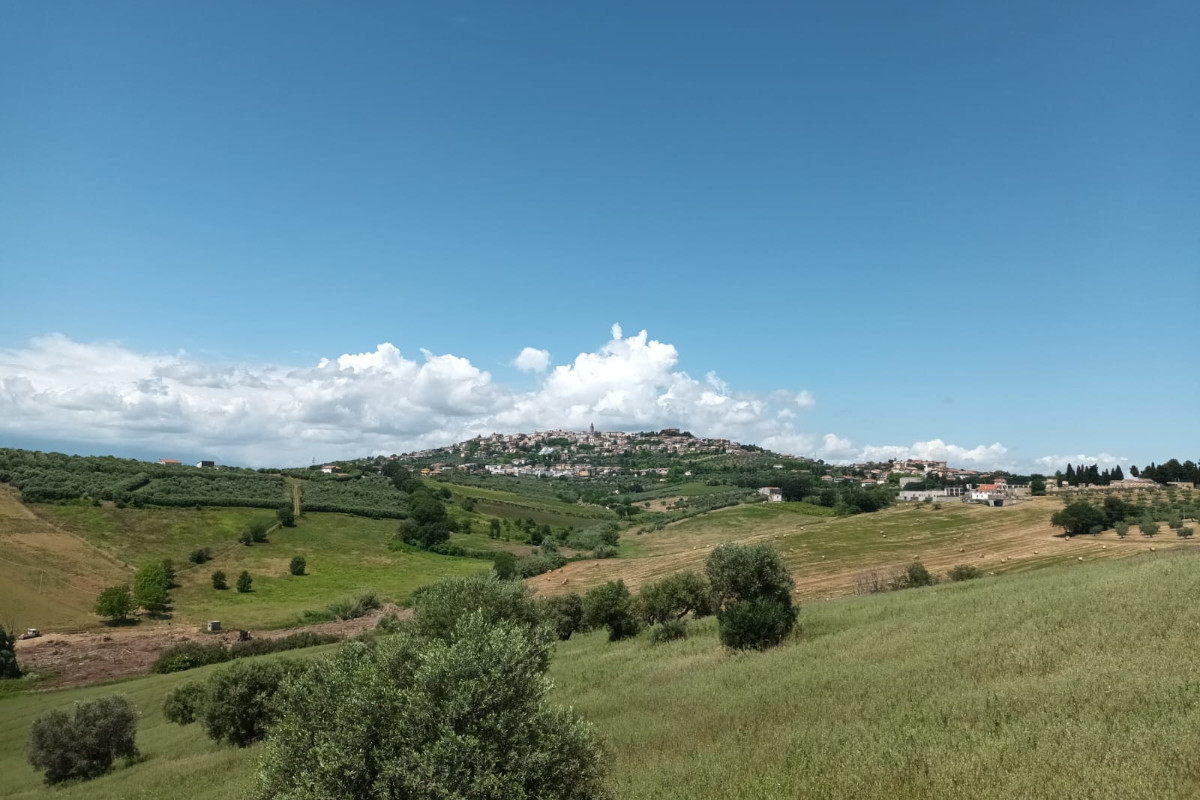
773, 494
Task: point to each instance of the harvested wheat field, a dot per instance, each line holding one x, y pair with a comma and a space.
833, 556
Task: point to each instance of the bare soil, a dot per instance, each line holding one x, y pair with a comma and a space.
80, 659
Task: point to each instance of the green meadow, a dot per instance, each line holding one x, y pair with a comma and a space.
1064, 682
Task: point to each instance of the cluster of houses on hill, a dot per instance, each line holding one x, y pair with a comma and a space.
174, 462
573, 445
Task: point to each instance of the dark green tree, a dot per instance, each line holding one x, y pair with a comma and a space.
8, 655
611, 606
676, 596
83, 745
244, 582
752, 589
150, 585
298, 565
286, 516
116, 603
565, 613
218, 580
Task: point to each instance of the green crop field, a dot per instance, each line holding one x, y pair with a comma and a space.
1062, 682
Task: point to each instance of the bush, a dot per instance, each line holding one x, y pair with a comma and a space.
604, 551
755, 624
238, 702
298, 565
286, 516
468, 714
84, 746
218, 580
8, 655
246, 538
914, 576
200, 555
964, 572
184, 703
257, 531
244, 582
1185, 532
611, 606
295, 641
504, 564
189, 655
1148, 527
441, 606
564, 612
669, 631
115, 602
354, 607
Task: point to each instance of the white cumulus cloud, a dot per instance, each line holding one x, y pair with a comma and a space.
382, 401
1051, 464
530, 359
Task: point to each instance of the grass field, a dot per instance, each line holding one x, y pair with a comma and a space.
542, 510
345, 554
1068, 682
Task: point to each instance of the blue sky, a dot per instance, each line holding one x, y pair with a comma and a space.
968, 222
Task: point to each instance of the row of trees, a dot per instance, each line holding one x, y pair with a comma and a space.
1083, 517
747, 587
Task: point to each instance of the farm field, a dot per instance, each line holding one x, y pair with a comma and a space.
1070, 681
830, 555
542, 510
48, 577
346, 555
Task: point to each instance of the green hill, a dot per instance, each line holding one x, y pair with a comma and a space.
1064, 682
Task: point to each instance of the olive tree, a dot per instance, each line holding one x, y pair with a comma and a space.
611, 606
752, 589
115, 602
411, 717
83, 745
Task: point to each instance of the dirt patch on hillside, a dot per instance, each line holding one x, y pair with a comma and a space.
80, 659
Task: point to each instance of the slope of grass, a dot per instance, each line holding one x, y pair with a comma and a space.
1072, 682
345, 554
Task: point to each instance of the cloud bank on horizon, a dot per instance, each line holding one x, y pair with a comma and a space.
383, 402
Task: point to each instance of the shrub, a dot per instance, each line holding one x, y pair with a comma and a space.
1185, 532
468, 714
914, 576
84, 746
168, 568
354, 607
564, 612
669, 631
964, 572
286, 516
257, 531
246, 538
441, 606
8, 655
238, 701
676, 596
504, 564
298, 565
755, 624
200, 555
244, 582
189, 655
295, 641
605, 551
611, 606
218, 580
115, 602
184, 703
